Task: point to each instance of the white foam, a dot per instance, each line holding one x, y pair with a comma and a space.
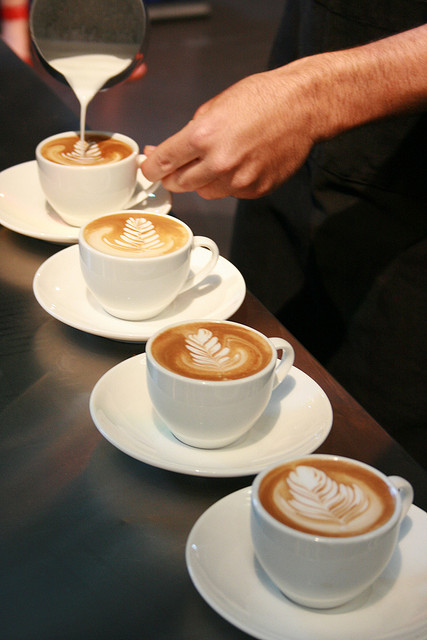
87, 74
84, 151
207, 353
328, 506
138, 234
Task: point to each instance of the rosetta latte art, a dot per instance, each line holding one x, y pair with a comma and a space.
327, 497
309, 495
213, 350
94, 150
207, 352
138, 234
84, 152
131, 235
317, 496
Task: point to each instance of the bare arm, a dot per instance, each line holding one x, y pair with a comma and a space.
256, 134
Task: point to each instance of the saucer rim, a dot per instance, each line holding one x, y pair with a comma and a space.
132, 331
70, 233
198, 469
240, 500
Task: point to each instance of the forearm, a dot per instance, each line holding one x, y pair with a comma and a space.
284, 112
345, 89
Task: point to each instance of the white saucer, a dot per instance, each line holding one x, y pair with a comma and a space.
61, 290
23, 207
222, 565
296, 422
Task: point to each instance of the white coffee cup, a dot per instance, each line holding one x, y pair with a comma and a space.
80, 192
309, 567
138, 282
215, 409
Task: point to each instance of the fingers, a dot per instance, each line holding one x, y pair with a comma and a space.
213, 191
194, 176
210, 179
172, 154
204, 108
148, 149
207, 157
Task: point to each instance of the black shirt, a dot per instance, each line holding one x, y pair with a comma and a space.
343, 256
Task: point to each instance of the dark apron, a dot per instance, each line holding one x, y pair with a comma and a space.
343, 257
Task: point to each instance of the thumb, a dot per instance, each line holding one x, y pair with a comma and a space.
204, 108
148, 149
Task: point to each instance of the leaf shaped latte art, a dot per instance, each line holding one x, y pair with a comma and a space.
319, 497
138, 234
83, 151
207, 352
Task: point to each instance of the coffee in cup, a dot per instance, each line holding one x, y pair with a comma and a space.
324, 527
327, 497
137, 263
210, 380
211, 351
136, 235
95, 150
82, 181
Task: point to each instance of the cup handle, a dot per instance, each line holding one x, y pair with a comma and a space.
406, 493
151, 187
207, 243
286, 361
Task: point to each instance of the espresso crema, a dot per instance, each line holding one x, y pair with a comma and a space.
327, 497
211, 351
136, 235
95, 150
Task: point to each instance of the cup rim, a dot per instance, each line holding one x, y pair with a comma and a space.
120, 136
216, 383
145, 259
257, 505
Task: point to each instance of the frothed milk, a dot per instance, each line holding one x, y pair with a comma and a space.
82, 186
136, 263
98, 149
324, 527
137, 236
211, 351
87, 74
326, 497
210, 380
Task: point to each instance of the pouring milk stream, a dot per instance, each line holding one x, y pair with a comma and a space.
91, 43
86, 74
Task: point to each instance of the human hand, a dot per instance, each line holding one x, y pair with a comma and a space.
256, 134
244, 142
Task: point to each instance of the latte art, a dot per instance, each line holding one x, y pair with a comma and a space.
318, 497
208, 354
138, 234
336, 500
83, 152
211, 351
133, 235
96, 149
